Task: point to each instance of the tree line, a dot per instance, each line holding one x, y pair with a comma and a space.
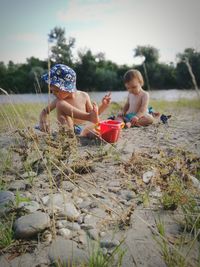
95, 72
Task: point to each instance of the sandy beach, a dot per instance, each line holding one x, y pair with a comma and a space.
104, 194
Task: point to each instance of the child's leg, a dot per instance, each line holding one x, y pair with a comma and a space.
89, 131
145, 120
64, 109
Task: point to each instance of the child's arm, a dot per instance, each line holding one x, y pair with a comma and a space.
105, 103
126, 107
43, 124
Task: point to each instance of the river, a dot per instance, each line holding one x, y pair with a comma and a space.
117, 96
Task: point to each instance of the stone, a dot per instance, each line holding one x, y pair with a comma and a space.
66, 233
85, 204
68, 186
127, 194
93, 234
78, 200
85, 226
69, 210
73, 226
147, 176
60, 204
31, 224
6, 198
195, 181
65, 252
56, 200
83, 239
109, 244
30, 206
114, 184
28, 174
114, 189
17, 185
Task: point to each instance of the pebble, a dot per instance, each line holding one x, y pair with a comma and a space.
87, 226
31, 224
31, 206
68, 186
114, 189
127, 194
93, 234
195, 181
28, 174
66, 233
65, 252
6, 197
147, 176
73, 226
109, 244
17, 185
69, 210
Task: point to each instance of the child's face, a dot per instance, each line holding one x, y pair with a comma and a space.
133, 86
59, 93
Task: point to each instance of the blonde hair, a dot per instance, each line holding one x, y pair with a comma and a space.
131, 74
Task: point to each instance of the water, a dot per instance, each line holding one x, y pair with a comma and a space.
117, 96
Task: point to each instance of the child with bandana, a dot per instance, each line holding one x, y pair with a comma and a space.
73, 107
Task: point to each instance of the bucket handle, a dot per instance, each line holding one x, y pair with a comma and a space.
112, 127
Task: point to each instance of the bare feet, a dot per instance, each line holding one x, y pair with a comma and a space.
156, 114
94, 114
128, 124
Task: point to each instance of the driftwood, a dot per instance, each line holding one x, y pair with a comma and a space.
186, 61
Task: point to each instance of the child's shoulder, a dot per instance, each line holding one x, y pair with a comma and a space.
145, 93
82, 93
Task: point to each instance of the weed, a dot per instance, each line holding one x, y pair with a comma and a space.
6, 233
5, 161
175, 195
98, 258
191, 221
19, 199
171, 254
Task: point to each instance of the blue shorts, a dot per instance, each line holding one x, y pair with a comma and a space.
78, 129
128, 117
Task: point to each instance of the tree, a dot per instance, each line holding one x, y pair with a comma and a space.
190, 57
151, 56
150, 53
62, 50
85, 69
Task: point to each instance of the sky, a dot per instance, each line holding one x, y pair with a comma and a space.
114, 27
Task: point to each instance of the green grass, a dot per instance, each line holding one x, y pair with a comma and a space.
6, 233
162, 105
19, 116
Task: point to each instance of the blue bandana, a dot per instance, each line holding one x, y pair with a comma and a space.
61, 76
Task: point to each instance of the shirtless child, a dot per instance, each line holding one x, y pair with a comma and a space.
135, 110
73, 107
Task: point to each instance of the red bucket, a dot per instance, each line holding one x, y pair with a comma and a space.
110, 130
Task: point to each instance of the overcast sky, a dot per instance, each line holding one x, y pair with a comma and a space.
115, 27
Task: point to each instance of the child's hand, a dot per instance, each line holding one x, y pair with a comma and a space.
134, 121
44, 126
106, 99
120, 114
